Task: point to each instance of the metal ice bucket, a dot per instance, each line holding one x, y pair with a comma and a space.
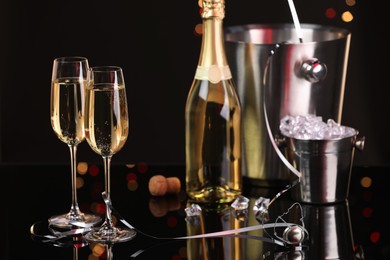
302, 78
325, 166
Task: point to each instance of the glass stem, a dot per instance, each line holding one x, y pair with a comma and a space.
109, 253
74, 210
75, 253
107, 168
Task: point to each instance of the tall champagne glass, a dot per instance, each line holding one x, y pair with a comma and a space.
106, 131
69, 78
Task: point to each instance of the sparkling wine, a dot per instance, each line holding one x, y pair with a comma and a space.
107, 115
213, 119
67, 110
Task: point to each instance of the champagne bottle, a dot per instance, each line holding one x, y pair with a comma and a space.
213, 118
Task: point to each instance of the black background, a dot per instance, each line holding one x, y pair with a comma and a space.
154, 42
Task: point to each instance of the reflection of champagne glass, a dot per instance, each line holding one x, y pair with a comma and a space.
69, 78
106, 130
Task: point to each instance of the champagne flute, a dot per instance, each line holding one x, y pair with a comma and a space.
106, 131
69, 79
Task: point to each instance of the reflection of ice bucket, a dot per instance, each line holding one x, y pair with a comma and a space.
330, 232
325, 166
303, 78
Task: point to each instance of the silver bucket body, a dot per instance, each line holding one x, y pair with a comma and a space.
325, 166
302, 78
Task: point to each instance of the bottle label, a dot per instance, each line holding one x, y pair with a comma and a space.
213, 73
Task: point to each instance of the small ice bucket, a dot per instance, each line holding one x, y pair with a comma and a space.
325, 166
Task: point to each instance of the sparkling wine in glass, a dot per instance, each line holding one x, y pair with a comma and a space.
69, 80
106, 131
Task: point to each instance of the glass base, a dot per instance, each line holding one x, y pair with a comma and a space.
41, 232
112, 235
69, 221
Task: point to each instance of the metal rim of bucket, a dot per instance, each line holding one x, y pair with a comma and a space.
336, 32
321, 146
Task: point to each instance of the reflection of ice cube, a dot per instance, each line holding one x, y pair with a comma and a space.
241, 215
311, 127
193, 210
193, 220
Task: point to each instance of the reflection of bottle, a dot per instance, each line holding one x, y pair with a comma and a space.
215, 220
213, 118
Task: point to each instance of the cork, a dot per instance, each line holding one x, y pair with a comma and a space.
159, 185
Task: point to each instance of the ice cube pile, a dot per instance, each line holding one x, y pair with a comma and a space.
312, 127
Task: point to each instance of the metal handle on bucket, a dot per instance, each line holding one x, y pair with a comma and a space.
278, 152
359, 143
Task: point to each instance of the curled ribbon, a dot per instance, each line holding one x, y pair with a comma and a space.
55, 237
232, 232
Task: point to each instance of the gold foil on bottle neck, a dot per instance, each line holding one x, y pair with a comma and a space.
213, 8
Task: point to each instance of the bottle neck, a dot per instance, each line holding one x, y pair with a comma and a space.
212, 64
213, 49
